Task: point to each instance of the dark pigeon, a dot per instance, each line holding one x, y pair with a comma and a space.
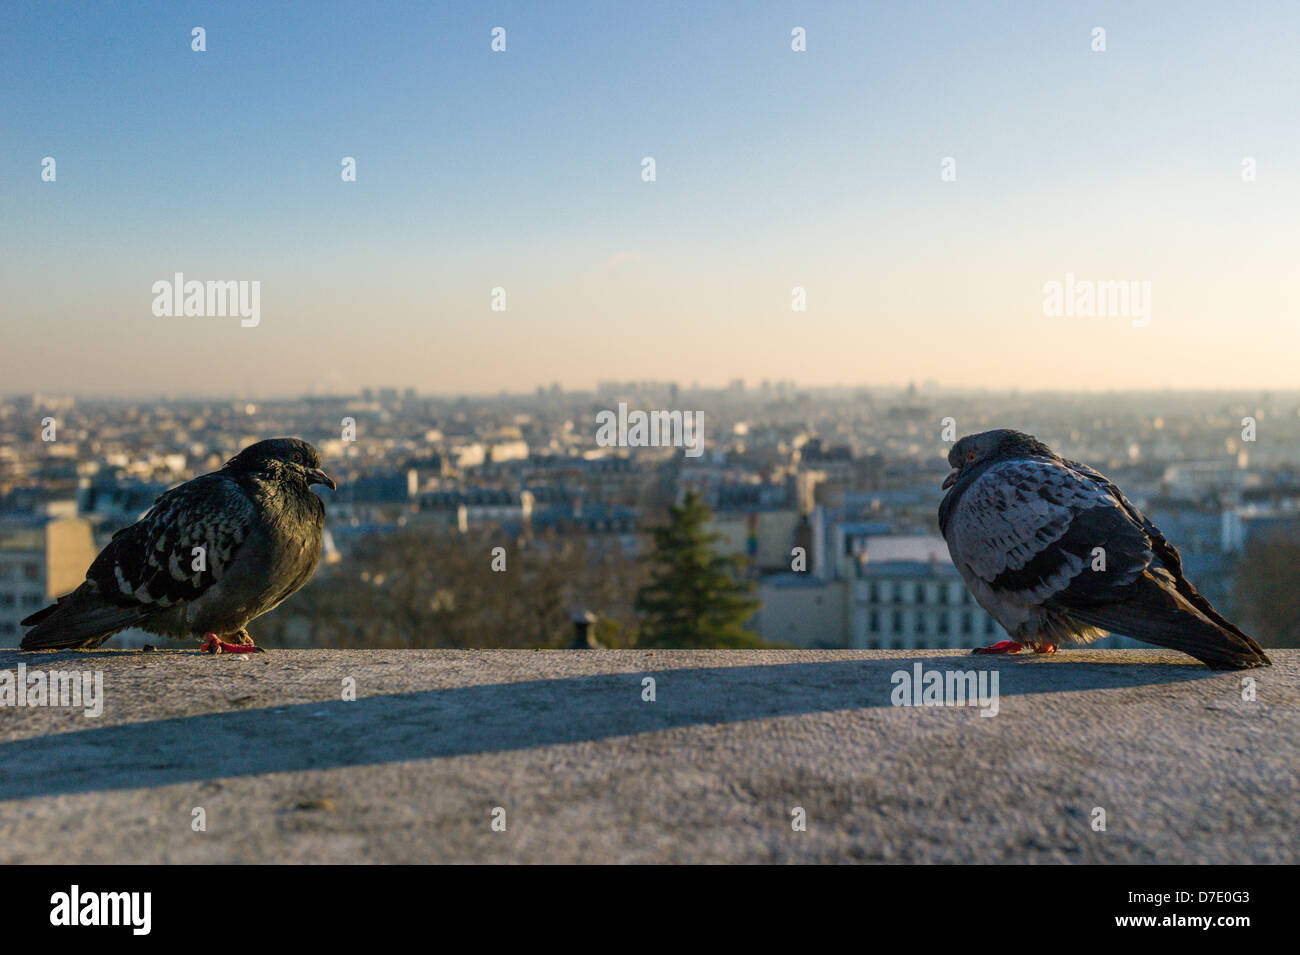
1023, 526
258, 526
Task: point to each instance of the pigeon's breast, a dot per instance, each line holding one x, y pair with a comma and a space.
293, 549
279, 557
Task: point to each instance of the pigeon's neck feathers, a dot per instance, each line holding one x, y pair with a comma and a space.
279, 492
1017, 444
949, 502
1024, 448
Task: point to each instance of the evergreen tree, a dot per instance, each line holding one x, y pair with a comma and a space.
695, 598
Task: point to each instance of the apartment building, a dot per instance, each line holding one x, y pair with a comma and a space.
41, 558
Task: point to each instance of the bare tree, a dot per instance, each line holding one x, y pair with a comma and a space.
416, 588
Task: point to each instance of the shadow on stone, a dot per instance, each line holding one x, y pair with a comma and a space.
466, 721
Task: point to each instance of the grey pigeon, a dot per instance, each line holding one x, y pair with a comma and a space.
1056, 554
208, 557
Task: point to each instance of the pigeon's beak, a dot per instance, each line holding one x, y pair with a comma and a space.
317, 476
951, 479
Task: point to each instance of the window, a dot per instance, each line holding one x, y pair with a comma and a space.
31, 571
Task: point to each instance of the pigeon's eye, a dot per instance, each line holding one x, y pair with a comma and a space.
970, 455
297, 458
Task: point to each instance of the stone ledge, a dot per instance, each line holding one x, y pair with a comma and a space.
285, 770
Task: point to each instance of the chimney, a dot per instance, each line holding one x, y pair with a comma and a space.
583, 638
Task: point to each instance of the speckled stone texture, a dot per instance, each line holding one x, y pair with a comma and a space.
285, 770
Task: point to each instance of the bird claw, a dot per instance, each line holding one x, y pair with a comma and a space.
1005, 646
214, 644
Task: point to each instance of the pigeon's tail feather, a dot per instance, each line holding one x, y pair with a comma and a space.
81, 620
1158, 613
40, 615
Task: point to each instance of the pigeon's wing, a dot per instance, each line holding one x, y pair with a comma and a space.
1036, 531
171, 556
183, 545
1160, 545
1165, 551
1163, 607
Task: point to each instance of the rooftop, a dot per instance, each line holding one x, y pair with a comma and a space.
909, 548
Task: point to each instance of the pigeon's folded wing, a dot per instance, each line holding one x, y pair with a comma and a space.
1167, 576
1036, 531
179, 549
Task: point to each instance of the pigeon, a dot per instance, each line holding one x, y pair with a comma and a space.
209, 556
1057, 554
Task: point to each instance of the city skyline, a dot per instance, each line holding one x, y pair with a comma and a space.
775, 169
849, 478
929, 390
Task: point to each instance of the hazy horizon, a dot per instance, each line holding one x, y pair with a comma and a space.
752, 390
522, 169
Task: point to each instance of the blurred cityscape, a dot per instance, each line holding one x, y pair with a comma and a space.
829, 494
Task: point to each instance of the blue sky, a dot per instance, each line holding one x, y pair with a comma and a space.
522, 169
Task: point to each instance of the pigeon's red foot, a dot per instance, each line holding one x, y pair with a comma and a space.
1044, 647
214, 644
1006, 646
